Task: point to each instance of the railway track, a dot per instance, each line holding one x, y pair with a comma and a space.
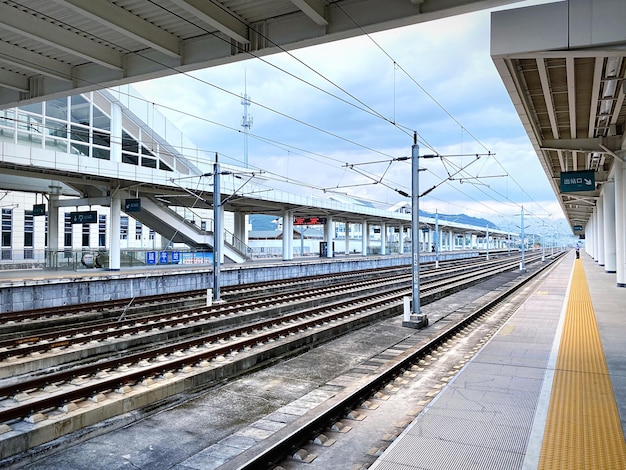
296, 442
58, 396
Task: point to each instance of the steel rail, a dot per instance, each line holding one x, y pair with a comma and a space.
286, 441
22, 410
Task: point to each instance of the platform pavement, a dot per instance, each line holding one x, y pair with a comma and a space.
491, 416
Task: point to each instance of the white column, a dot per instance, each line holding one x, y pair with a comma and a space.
240, 227
53, 227
383, 238
600, 230
286, 228
365, 235
608, 194
620, 229
114, 234
347, 232
589, 236
328, 228
401, 239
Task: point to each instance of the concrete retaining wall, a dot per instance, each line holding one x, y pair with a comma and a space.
46, 289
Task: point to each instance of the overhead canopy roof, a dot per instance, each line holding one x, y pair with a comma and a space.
564, 65
53, 48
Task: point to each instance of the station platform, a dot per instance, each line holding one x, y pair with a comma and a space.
548, 391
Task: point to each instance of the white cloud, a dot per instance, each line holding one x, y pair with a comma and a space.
317, 135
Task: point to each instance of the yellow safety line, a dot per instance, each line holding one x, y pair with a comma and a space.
583, 428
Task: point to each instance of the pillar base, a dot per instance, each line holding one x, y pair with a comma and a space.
416, 322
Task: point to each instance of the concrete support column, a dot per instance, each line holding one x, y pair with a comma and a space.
114, 234
600, 230
451, 240
589, 237
401, 239
596, 235
116, 132
287, 234
383, 239
240, 227
347, 244
329, 236
620, 229
290, 247
608, 194
53, 227
365, 236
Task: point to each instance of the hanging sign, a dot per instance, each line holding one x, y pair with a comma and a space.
39, 209
309, 220
574, 181
87, 217
132, 205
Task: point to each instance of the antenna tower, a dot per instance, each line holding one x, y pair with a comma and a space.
246, 122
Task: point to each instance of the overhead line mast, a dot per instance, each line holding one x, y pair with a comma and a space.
246, 121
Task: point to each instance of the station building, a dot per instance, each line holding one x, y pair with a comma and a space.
80, 136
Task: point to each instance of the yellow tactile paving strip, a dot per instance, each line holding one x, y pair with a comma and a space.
583, 428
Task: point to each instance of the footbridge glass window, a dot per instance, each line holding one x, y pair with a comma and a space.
7, 226
56, 124
30, 124
7, 124
138, 230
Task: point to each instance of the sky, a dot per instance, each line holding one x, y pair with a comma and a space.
334, 119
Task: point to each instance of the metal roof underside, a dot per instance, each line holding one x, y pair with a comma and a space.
564, 66
54, 48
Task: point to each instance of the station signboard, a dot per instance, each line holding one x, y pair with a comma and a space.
574, 181
132, 205
39, 209
309, 220
578, 228
86, 217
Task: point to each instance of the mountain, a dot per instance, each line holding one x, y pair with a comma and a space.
462, 219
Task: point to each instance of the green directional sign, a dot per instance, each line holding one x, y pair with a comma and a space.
574, 181
132, 205
87, 217
39, 209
